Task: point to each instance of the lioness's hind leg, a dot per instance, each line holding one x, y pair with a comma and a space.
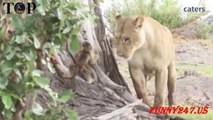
171, 83
160, 86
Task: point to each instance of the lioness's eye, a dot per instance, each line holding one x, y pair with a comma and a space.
126, 40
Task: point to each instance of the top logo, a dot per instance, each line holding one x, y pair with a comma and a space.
19, 7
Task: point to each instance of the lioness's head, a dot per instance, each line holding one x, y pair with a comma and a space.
128, 35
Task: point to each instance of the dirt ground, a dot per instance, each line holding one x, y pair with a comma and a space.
194, 62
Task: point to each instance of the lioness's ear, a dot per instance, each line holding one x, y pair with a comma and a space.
117, 18
138, 21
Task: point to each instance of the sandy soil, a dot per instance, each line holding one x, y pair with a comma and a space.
194, 61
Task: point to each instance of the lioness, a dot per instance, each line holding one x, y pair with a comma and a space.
149, 48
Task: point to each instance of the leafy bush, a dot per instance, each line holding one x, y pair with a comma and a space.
204, 30
167, 12
53, 22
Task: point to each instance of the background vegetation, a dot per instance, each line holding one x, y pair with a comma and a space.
53, 23
167, 13
204, 30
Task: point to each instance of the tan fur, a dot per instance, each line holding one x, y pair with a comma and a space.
85, 57
149, 48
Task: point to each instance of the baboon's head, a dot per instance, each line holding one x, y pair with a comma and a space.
86, 46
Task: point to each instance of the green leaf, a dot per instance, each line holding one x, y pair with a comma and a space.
72, 115
36, 42
3, 83
17, 49
36, 73
74, 5
6, 71
13, 95
42, 82
30, 56
2, 93
7, 101
37, 109
30, 22
43, 62
19, 64
27, 115
21, 39
2, 47
47, 45
52, 94
75, 44
66, 30
18, 23
60, 13
66, 95
11, 55
53, 50
62, 2
50, 67
18, 73
8, 114
43, 6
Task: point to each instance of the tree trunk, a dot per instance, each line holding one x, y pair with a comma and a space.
109, 64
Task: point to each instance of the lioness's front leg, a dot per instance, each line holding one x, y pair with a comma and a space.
161, 78
139, 80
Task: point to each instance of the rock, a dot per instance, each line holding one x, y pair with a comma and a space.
191, 73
